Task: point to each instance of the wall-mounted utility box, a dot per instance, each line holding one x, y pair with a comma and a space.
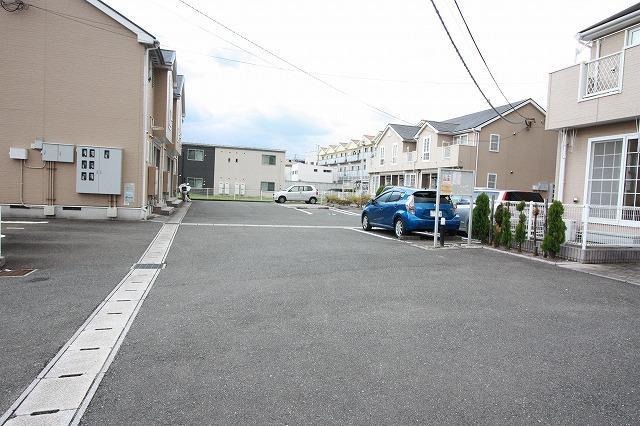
37, 143
60, 153
99, 170
18, 153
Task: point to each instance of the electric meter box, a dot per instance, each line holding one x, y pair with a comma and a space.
57, 152
99, 170
18, 153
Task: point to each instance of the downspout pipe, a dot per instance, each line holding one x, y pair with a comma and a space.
145, 128
562, 144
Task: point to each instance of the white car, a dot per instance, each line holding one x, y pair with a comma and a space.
306, 193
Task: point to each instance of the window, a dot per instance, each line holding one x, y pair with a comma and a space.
394, 153
327, 170
633, 37
604, 176
410, 180
269, 160
267, 186
308, 188
426, 148
315, 170
384, 197
395, 196
381, 155
494, 143
195, 182
195, 154
492, 180
461, 139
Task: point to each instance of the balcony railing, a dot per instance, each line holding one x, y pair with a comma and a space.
602, 75
446, 152
410, 156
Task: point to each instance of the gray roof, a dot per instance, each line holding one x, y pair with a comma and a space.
620, 14
179, 86
407, 133
471, 121
169, 56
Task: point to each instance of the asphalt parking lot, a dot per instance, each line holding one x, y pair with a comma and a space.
78, 263
267, 314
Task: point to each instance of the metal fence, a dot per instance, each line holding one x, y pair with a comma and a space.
587, 225
230, 194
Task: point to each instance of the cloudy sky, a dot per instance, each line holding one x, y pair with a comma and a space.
389, 54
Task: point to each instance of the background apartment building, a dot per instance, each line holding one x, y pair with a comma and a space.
515, 154
232, 170
92, 114
351, 160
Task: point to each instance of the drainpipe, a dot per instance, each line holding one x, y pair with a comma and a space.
475, 179
562, 143
145, 139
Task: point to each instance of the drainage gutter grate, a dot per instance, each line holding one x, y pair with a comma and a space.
15, 272
149, 266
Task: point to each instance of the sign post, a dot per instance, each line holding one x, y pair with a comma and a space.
453, 182
1, 256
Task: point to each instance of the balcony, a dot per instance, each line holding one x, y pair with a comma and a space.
603, 90
601, 76
353, 158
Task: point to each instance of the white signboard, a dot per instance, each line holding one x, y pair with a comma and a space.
129, 193
454, 182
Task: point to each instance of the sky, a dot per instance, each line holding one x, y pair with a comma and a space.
371, 55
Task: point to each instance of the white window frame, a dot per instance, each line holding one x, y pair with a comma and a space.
381, 155
194, 180
458, 139
495, 180
426, 148
627, 36
394, 153
491, 142
587, 184
410, 180
194, 151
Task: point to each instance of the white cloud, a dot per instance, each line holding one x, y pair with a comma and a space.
380, 39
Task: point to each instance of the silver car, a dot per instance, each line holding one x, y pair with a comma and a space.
306, 193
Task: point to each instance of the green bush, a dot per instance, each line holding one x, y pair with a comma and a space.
379, 190
521, 230
555, 229
481, 219
506, 237
332, 199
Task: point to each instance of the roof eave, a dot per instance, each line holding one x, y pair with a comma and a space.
143, 36
605, 28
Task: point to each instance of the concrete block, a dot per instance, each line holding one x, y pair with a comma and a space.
56, 394
49, 210
92, 338
75, 362
58, 418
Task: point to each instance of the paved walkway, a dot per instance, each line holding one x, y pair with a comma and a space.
625, 272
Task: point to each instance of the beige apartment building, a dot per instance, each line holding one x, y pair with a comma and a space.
595, 106
350, 161
92, 113
514, 152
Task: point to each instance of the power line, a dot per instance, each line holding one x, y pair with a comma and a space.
264, 49
465, 65
485, 62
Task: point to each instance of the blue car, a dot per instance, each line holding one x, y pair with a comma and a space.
405, 210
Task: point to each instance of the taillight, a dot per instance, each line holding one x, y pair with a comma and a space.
411, 205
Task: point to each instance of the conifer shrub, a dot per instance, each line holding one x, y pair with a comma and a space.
556, 228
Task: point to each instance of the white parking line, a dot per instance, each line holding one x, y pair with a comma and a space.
244, 225
303, 211
333, 209
376, 235
24, 222
8, 227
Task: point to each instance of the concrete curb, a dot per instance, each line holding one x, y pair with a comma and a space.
561, 264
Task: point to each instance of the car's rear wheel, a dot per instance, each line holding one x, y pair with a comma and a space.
313, 200
365, 223
398, 228
282, 199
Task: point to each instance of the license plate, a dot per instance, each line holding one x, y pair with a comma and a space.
432, 213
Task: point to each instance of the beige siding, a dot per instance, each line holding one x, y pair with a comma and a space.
612, 43
564, 109
68, 83
248, 169
576, 162
529, 154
